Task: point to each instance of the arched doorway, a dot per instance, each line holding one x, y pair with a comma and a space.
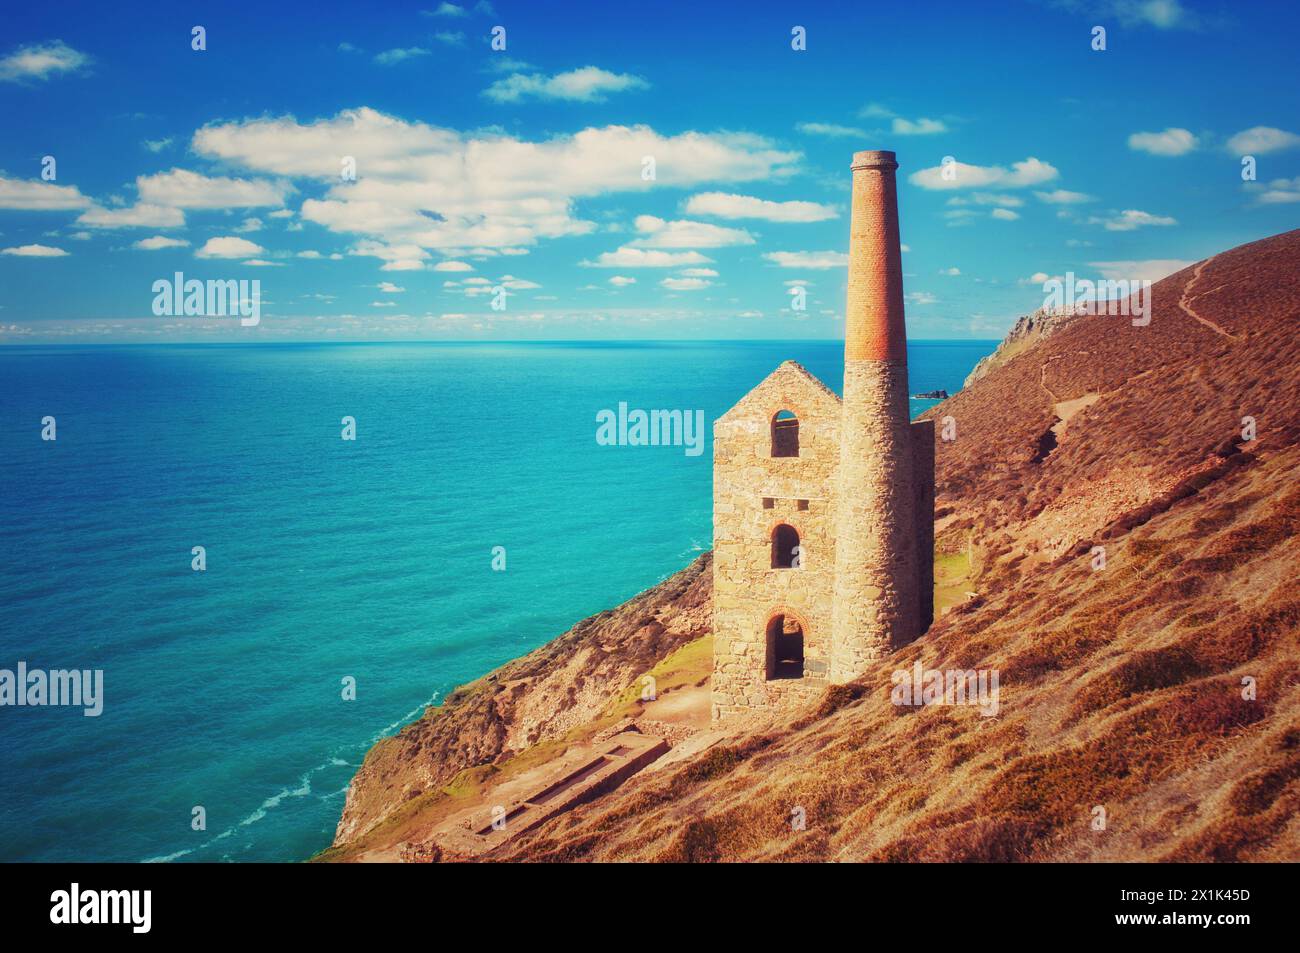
785, 636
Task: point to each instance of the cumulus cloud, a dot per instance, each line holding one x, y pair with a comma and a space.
229, 246
435, 188
1130, 219
659, 233
453, 266
1280, 192
1161, 14
684, 284
627, 257
141, 215
40, 61
1259, 140
400, 55
182, 188
987, 198
158, 242
1063, 197
621, 281
808, 259
1004, 214
917, 127
1025, 173
34, 195
35, 251
830, 130
1171, 142
590, 84
730, 205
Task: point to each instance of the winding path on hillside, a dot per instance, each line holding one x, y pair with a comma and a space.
1185, 302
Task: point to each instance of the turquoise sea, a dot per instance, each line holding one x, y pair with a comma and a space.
326, 559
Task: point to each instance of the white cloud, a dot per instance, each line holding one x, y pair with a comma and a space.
627, 257
1063, 197
831, 130
987, 198
447, 10
950, 271
1259, 140
449, 38
816, 260
699, 273
621, 281
684, 284
35, 251
921, 297
262, 263
33, 195
400, 55
490, 190
141, 215
1152, 269
229, 246
1130, 219
590, 84
453, 266
309, 253
40, 61
388, 288
1280, 192
1004, 214
249, 225
684, 234
182, 188
1027, 172
159, 241
1162, 14
156, 145
730, 205
918, 127
1172, 142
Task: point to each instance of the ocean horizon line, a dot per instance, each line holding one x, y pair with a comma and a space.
585, 342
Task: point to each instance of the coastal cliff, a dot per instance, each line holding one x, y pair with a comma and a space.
1120, 514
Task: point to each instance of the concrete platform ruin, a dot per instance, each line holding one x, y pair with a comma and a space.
573, 781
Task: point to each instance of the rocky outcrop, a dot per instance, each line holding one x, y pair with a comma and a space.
1028, 330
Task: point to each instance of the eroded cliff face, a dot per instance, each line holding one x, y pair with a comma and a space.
541, 697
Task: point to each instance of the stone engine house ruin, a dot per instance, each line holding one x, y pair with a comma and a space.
823, 508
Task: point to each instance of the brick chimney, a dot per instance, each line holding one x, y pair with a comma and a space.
875, 603
874, 328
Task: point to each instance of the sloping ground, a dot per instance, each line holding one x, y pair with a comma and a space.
1162, 689
554, 693
1169, 397
1120, 688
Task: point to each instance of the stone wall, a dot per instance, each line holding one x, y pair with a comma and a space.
754, 492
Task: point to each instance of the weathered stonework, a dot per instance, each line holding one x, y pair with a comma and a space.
859, 494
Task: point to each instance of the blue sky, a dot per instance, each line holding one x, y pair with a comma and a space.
523, 168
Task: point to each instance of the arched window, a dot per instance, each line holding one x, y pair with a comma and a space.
784, 647
785, 434
786, 552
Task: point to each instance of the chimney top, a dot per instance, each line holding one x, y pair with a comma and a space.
874, 159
